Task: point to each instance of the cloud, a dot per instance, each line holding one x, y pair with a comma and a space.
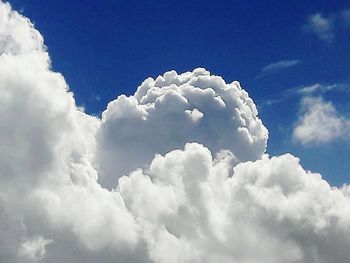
325, 27
316, 89
186, 154
34, 249
320, 26
345, 15
270, 209
171, 110
319, 122
277, 66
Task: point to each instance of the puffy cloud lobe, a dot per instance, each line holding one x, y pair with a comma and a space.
34, 249
46, 144
270, 209
202, 202
319, 122
15, 38
171, 110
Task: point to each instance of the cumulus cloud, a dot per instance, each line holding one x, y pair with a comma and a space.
171, 110
277, 66
319, 122
176, 172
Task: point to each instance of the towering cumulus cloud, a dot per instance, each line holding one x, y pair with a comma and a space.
175, 173
171, 110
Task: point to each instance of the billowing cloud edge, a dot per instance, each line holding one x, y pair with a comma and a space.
201, 190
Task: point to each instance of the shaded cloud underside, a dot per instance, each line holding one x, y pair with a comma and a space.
174, 173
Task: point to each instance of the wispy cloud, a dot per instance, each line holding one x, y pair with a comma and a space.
316, 89
325, 26
321, 26
277, 66
345, 16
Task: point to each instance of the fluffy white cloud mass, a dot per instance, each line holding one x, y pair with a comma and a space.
319, 122
175, 173
171, 110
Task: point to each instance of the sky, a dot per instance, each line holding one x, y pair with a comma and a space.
174, 132
107, 48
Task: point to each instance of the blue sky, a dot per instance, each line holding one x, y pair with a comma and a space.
274, 48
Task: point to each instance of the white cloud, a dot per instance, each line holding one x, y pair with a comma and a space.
171, 110
325, 27
319, 89
34, 249
316, 89
321, 26
269, 209
277, 66
319, 122
202, 202
14, 38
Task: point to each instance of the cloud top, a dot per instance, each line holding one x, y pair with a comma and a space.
173, 109
17, 35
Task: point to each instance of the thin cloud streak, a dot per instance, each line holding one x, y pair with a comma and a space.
277, 66
316, 89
